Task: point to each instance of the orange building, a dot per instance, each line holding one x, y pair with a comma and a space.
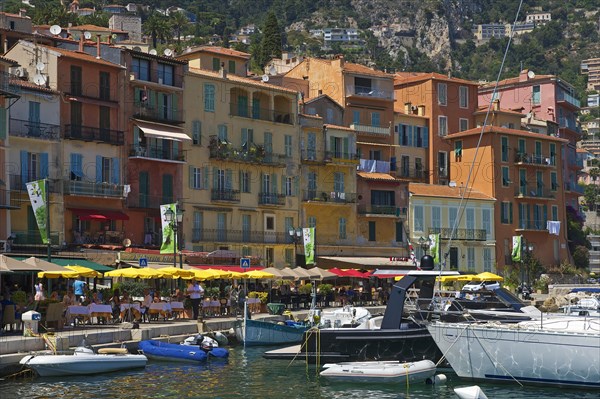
522, 171
213, 58
448, 103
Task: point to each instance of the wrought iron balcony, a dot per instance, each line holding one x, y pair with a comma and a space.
10, 199
225, 195
158, 113
524, 191
92, 189
531, 224
271, 199
386, 131
331, 156
390, 210
241, 236
254, 154
90, 133
18, 183
411, 173
364, 91
328, 196
144, 201
265, 114
460, 234
35, 130
166, 153
534, 159
312, 155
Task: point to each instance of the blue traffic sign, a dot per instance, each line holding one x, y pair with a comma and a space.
143, 262
245, 263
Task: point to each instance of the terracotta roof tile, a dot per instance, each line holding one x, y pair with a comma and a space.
236, 78
483, 109
435, 190
80, 56
217, 50
401, 78
8, 61
364, 70
32, 86
95, 28
378, 176
504, 130
338, 127
515, 80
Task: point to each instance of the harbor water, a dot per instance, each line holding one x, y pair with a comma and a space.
247, 375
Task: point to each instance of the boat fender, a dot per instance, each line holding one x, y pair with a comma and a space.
472, 392
439, 379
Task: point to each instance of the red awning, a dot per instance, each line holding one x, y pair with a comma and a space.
96, 214
227, 268
348, 273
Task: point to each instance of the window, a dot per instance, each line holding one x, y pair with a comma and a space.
375, 119
452, 216
487, 259
504, 145
436, 217
338, 184
418, 218
104, 123
470, 221
471, 259
505, 176
463, 124
197, 226
442, 126
216, 64
209, 97
167, 189
463, 97
443, 164
288, 145
356, 117
554, 211
458, 146
231, 66
245, 182
506, 216
372, 231
486, 222
76, 83
312, 221
140, 68
288, 186
33, 120
442, 93
104, 93
165, 74
246, 228
76, 119
552, 154
195, 178
196, 132
536, 95
405, 166
247, 138
289, 256
342, 228
222, 133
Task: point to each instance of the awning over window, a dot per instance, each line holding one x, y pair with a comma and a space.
162, 131
96, 214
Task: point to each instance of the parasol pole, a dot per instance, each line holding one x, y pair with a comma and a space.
47, 199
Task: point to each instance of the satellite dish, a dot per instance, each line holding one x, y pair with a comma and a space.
40, 66
265, 78
87, 35
153, 52
272, 70
114, 36
531, 74
39, 79
127, 242
55, 29
168, 52
136, 48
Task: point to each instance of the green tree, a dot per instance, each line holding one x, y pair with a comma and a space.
179, 24
157, 27
581, 257
270, 45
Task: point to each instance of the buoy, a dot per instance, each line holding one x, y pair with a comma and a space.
439, 379
472, 392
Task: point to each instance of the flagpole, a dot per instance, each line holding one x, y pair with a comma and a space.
47, 199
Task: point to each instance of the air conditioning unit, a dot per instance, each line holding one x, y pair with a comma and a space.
19, 72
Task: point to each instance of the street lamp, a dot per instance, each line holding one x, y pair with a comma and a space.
296, 235
425, 244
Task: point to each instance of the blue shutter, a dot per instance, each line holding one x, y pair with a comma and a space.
98, 169
191, 176
175, 149
346, 154
274, 183
392, 163
116, 171
228, 179
425, 131
409, 136
44, 165
244, 143
24, 169
74, 165
415, 136
400, 130
205, 179
283, 184
3, 125
296, 185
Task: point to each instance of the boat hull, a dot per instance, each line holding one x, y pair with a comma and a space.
375, 372
524, 353
257, 332
158, 350
82, 364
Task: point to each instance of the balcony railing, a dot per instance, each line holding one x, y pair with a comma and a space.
265, 114
574, 187
33, 237
271, 199
371, 129
254, 154
312, 155
18, 183
242, 236
328, 196
460, 234
6, 87
535, 159
364, 91
144, 201
173, 80
331, 156
92, 189
531, 224
391, 210
166, 153
411, 173
158, 113
10, 199
566, 97
533, 192
225, 195
89, 133
36, 130
372, 166
568, 123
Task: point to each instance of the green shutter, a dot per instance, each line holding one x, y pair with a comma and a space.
510, 212
283, 184
191, 177
3, 126
205, 179
215, 183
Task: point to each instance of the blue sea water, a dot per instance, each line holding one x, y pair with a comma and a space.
247, 375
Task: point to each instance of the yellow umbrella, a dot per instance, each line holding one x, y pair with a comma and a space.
487, 276
257, 274
205, 274
132, 272
462, 277
398, 278
176, 272
57, 274
84, 271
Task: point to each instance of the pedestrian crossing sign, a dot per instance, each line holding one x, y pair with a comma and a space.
245, 263
143, 262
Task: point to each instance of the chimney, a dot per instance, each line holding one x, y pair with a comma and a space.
22, 12
81, 39
98, 46
523, 75
108, 39
496, 105
408, 108
223, 71
421, 110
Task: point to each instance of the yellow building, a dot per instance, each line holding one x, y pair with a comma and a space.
241, 186
434, 209
214, 58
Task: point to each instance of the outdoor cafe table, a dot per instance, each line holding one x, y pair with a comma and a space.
135, 309
177, 308
75, 311
162, 308
97, 310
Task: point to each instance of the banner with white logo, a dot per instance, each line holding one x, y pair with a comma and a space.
308, 234
168, 233
37, 196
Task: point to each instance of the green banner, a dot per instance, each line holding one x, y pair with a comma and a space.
168, 233
308, 234
517, 248
37, 196
435, 248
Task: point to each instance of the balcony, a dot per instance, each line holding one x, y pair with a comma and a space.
34, 130
155, 152
564, 97
531, 224
574, 188
460, 234
373, 166
523, 158
92, 189
158, 113
144, 201
384, 131
368, 91
10, 199
18, 183
341, 157
312, 155
387, 210
241, 236
153, 76
7, 89
533, 192
255, 154
329, 196
271, 199
264, 114
412, 173
89, 133
227, 195
569, 123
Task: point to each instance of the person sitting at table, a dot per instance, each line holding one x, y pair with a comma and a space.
156, 298
178, 296
54, 296
125, 298
69, 299
146, 303
96, 298
115, 302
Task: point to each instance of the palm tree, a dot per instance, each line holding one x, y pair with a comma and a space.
179, 23
156, 27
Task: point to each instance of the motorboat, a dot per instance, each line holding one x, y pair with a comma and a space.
346, 316
588, 306
269, 332
83, 361
390, 371
158, 350
553, 350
